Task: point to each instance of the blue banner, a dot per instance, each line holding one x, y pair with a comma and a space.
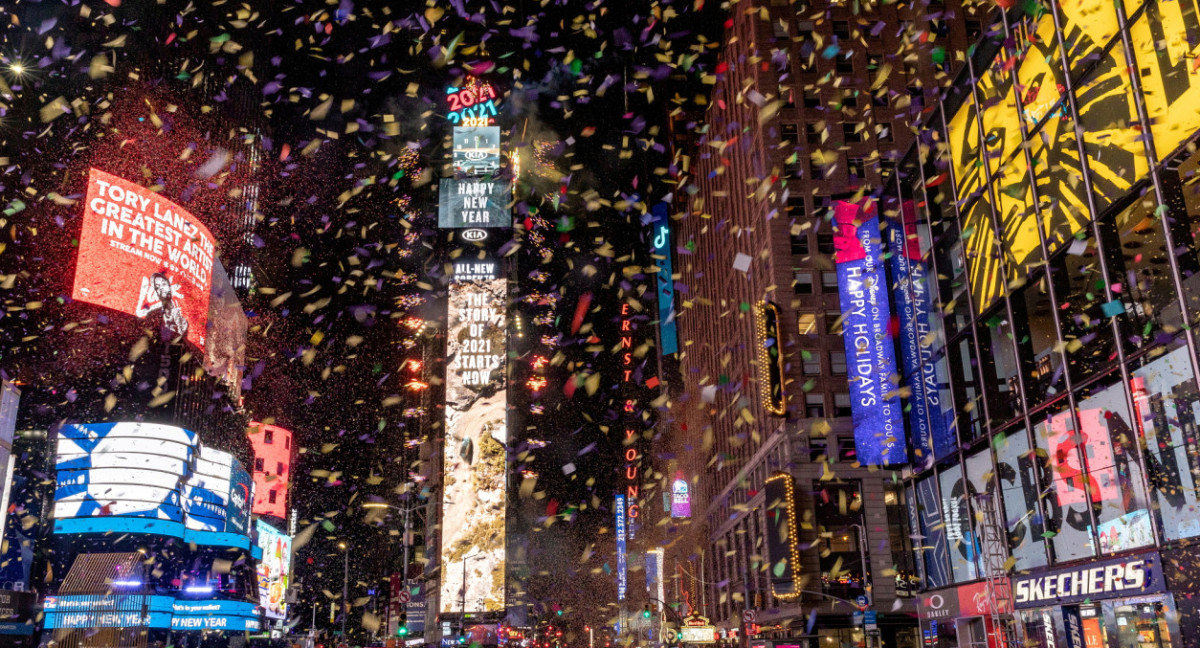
666, 284
879, 437
935, 554
933, 434
622, 575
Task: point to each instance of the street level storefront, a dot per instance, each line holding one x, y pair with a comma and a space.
1119, 602
963, 616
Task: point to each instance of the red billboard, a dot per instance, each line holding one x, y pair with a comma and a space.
143, 255
272, 468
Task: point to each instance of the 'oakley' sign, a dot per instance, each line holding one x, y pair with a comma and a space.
1107, 579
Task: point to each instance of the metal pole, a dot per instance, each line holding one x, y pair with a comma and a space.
345, 589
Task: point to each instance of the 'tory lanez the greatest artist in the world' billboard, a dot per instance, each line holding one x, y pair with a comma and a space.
143, 255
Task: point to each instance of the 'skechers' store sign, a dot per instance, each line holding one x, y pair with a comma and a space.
1115, 578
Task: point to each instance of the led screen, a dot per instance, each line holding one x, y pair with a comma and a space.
474, 202
146, 477
667, 332
143, 255
477, 149
274, 570
474, 479
153, 611
681, 501
273, 468
879, 437
622, 564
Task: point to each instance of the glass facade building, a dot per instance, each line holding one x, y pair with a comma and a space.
1049, 216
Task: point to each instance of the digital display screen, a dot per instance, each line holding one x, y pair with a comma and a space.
148, 478
474, 202
274, 570
143, 255
477, 149
153, 611
475, 453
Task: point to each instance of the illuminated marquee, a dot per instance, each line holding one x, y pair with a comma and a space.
770, 358
474, 104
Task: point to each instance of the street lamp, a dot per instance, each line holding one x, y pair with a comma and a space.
345, 585
462, 625
407, 510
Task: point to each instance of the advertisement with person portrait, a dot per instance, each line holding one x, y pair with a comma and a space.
143, 255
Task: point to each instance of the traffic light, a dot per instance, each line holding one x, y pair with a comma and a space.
402, 629
646, 611
558, 612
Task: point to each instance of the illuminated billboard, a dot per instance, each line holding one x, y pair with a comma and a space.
681, 500
152, 611
148, 478
474, 202
143, 255
473, 104
622, 566
879, 437
274, 570
668, 335
477, 149
475, 455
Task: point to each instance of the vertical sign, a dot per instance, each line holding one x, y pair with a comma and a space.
10, 397
622, 576
669, 339
474, 493
779, 494
914, 305
871, 358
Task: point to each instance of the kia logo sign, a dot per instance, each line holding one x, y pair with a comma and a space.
474, 235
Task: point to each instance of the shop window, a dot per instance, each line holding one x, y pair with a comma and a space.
1018, 471
1168, 415
1038, 338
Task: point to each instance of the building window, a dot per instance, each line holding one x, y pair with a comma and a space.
790, 133
846, 449
806, 323
885, 133
814, 406
812, 97
802, 282
825, 242
818, 449
829, 280
271, 496
833, 322
837, 364
841, 29
259, 466
795, 208
779, 30
811, 362
800, 244
811, 134
841, 406
845, 65
974, 30
814, 170
279, 468
269, 437
880, 98
857, 167
850, 133
287, 443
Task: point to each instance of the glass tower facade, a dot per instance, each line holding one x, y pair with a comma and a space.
1049, 216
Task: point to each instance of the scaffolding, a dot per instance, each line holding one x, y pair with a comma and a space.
994, 567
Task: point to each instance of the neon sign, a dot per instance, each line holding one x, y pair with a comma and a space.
474, 104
